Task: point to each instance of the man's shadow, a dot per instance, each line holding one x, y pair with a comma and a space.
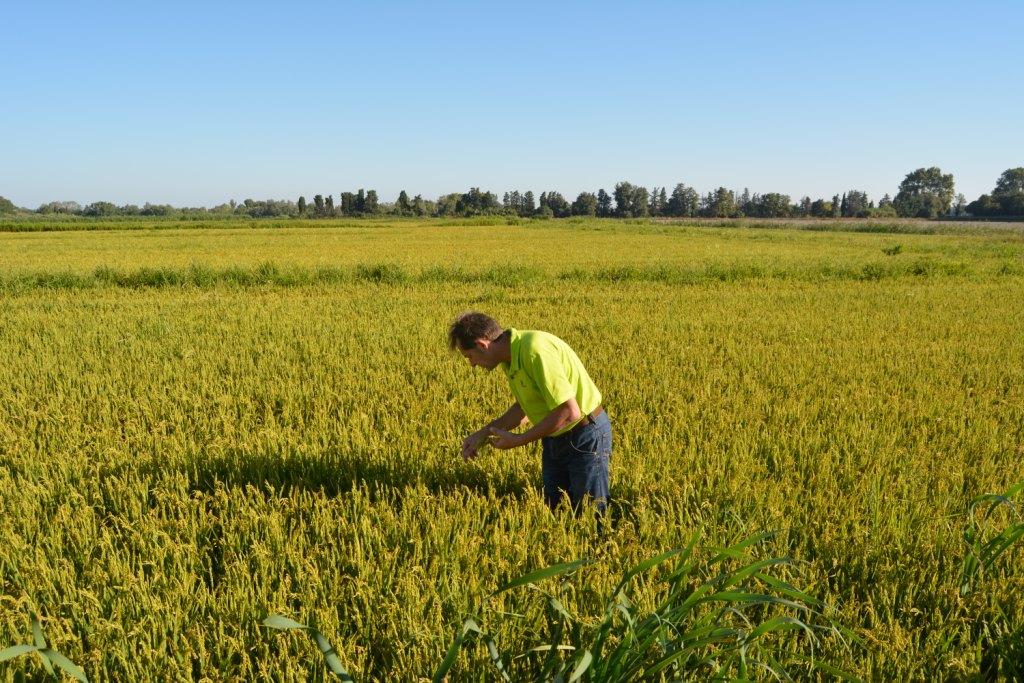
334, 471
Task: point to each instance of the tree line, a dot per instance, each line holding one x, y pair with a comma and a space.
923, 193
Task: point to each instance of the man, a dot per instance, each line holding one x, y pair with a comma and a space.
554, 392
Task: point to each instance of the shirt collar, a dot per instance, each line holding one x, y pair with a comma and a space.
515, 336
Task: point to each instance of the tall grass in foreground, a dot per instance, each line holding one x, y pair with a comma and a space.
709, 622
1001, 639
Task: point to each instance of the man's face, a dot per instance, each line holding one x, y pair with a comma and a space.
481, 355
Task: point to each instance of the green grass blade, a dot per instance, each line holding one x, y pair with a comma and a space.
788, 590
542, 574
45, 658
547, 648
753, 568
998, 545
585, 661
499, 664
449, 658
736, 551
16, 651
70, 667
778, 624
644, 566
282, 623
559, 608
330, 655
37, 633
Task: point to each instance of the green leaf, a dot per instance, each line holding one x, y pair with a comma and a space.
753, 568
547, 648
331, 656
542, 574
585, 661
826, 667
780, 623
644, 566
70, 667
998, 545
449, 657
788, 590
470, 626
16, 651
45, 658
37, 633
559, 608
492, 650
282, 623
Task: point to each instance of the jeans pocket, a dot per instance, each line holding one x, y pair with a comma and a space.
587, 443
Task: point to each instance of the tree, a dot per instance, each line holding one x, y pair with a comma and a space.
371, 203
100, 209
885, 209
318, 205
448, 205
1010, 182
402, 205
745, 203
805, 206
631, 201
158, 209
855, 204
348, 204
61, 207
684, 202
329, 205
654, 205
476, 202
837, 207
721, 203
604, 204
960, 207
7, 206
585, 204
422, 207
302, 206
925, 193
556, 202
821, 209
624, 199
528, 205
773, 205
518, 203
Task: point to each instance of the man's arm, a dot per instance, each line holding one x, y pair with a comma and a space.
509, 420
559, 418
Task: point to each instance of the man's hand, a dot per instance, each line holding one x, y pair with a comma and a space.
499, 438
471, 443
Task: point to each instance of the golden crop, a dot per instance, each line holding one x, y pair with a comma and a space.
181, 458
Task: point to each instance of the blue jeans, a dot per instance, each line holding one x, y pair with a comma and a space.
577, 464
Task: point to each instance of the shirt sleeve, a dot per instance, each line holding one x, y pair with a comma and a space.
544, 366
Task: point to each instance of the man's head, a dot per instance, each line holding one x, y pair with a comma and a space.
479, 338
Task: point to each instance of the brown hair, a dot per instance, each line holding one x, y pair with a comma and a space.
469, 327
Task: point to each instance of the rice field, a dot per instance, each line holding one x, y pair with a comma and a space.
202, 428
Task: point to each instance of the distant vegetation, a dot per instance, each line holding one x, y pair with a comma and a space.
924, 193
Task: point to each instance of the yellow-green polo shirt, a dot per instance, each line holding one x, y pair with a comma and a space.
544, 373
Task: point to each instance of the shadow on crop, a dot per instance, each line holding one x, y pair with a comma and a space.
334, 472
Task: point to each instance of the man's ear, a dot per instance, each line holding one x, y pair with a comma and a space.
482, 344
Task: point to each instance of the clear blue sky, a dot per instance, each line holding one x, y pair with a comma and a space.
197, 103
